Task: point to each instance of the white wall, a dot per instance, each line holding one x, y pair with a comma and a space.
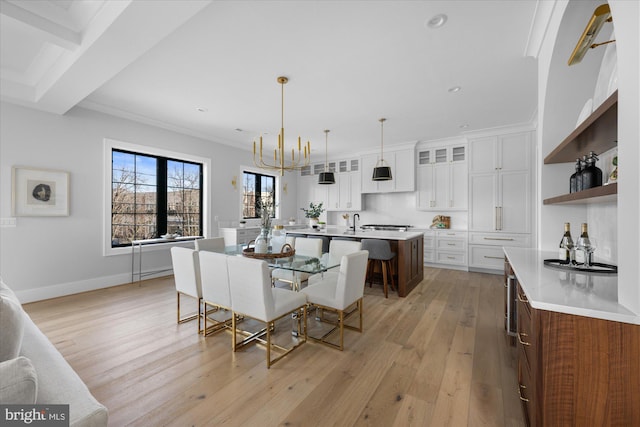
626, 15
44, 257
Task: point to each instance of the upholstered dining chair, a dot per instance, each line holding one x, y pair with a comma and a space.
337, 248
186, 273
253, 296
216, 296
213, 244
341, 294
303, 246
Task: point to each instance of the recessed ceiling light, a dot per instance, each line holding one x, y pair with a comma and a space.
464, 126
238, 130
437, 21
454, 89
202, 109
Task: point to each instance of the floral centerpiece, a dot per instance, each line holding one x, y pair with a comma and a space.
313, 212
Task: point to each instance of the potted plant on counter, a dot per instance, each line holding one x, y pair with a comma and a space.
313, 213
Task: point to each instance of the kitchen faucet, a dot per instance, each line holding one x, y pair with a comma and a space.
354, 221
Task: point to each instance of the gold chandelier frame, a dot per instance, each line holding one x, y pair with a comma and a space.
279, 163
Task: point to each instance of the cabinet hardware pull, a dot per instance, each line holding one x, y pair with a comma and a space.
495, 219
451, 257
493, 257
520, 393
520, 335
521, 299
498, 238
451, 244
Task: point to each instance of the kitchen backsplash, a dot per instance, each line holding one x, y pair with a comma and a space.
397, 208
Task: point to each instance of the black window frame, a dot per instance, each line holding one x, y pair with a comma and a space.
257, 193
162, 191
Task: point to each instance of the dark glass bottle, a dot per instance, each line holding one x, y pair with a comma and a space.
573, 181
591, 175
579, 181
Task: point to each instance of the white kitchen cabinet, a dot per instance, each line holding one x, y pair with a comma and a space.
500, 184
446, 248
345, 194
442, 182
239, 236
500, 195
402, 165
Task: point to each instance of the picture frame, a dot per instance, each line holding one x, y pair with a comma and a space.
39, 192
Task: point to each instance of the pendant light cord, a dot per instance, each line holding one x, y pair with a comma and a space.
326, 144
382, 140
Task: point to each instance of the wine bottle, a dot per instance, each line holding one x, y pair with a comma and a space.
566, 245
583, 242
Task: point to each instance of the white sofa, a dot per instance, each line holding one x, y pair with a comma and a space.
32, 371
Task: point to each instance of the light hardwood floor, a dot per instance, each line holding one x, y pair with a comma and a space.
435, 358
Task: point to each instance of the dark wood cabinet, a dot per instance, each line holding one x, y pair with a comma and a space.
576, 370
410, 267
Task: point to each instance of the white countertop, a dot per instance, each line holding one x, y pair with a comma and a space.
361, 234
563, 291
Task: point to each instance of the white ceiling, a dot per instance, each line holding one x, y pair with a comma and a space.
349, 63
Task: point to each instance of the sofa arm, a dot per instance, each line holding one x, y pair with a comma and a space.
19, 385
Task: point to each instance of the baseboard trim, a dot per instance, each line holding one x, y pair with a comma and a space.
485, 270
63, 289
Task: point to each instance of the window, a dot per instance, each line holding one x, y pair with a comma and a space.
153, 195
255, 188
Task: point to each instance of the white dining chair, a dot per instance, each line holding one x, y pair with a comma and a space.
341, 294
337, 248
216, 296
253, 296
303, 246
212, 244
186, 273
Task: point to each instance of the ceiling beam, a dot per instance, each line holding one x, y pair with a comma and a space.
114, 40
51, 31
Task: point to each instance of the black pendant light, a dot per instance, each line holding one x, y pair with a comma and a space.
326, 177
381, 172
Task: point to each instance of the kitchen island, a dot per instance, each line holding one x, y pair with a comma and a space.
408, 246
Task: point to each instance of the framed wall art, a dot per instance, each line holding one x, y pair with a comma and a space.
39, 192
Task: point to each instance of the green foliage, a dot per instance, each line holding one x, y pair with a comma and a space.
314, 211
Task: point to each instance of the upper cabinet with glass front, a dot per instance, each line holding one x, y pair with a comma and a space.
442, 177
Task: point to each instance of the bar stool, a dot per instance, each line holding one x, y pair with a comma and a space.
380, 250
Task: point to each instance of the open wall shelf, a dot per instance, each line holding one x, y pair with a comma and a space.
602, 194
598, 133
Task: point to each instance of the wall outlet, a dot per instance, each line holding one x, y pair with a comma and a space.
215, 218
606, 252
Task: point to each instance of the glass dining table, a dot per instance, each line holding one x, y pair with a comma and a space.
295, 263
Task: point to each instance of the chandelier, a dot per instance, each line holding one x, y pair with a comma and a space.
279, 163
